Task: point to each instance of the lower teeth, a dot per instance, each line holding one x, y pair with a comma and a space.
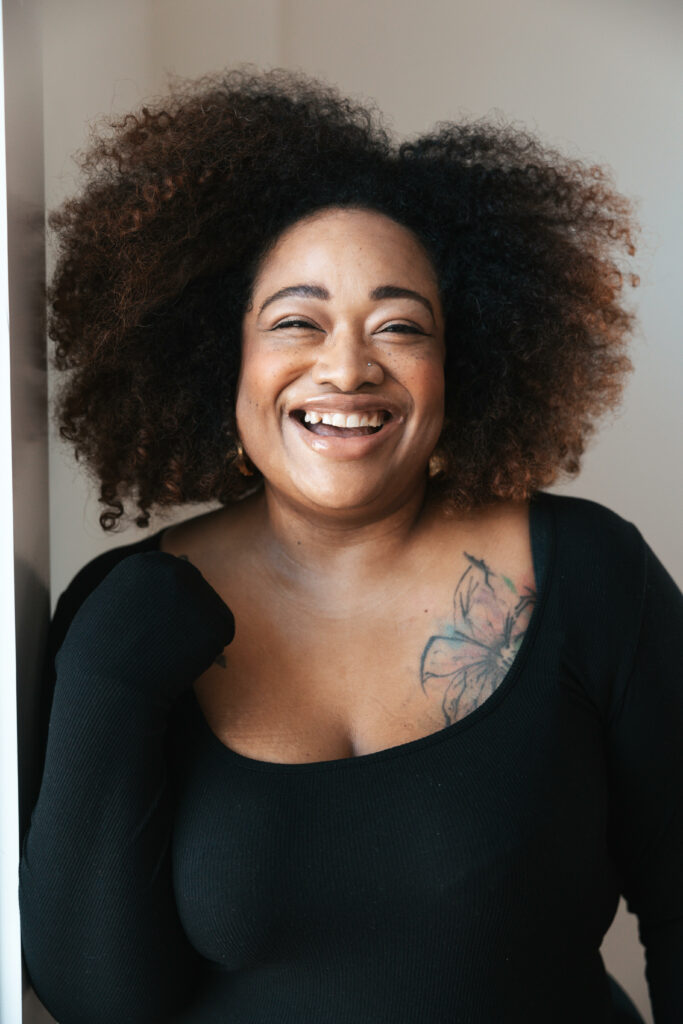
329, 430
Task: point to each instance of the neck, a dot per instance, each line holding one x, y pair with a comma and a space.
307, 544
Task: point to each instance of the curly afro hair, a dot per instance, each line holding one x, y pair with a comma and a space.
157, 254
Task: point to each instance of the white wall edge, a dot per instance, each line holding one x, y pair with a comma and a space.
10, 942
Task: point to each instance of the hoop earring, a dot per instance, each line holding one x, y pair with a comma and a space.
242, 462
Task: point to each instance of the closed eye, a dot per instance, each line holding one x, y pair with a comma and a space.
397, 328
401, 329
294, 323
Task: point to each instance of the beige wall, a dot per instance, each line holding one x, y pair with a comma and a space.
603, 81
96, 60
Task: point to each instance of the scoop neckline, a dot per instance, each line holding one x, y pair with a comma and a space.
540, 514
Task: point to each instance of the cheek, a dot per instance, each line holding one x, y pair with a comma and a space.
263, 376
425, 381
433, 380
248, 398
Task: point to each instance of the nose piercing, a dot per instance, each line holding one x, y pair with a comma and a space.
369, 364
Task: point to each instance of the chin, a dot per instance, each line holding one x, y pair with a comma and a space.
349, 495
342, 500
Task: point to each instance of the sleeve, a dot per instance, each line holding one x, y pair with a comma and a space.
645, 764
102, 940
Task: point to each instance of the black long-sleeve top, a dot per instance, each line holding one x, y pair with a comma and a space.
467, 876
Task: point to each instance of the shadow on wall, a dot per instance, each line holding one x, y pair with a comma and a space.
32, 602
34, 1011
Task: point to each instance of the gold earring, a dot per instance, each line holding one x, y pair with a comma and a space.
437, 464
242, 461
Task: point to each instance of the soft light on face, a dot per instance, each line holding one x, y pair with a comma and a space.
340, 399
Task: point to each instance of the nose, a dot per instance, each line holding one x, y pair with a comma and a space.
345, 361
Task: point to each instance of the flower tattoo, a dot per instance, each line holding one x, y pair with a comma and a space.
490, 618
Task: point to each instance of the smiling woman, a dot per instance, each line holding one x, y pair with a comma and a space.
345, 346
385, 735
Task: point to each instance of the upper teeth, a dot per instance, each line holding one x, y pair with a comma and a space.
340, 419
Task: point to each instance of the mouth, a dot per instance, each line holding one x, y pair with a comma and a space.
341, 424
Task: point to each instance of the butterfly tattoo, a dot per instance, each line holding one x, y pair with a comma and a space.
490, 618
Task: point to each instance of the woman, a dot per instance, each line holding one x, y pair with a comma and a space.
445, 736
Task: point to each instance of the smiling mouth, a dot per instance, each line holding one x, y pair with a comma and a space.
338, 424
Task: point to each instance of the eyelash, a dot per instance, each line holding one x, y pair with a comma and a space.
403, 328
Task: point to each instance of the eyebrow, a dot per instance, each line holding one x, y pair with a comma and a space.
392, 291
307, 291
313, 291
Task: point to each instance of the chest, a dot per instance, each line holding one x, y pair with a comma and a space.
497, 831
317, 690
307, 682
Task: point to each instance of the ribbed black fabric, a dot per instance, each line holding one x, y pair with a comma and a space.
467, 877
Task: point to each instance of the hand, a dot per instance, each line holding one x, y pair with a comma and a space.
153, 622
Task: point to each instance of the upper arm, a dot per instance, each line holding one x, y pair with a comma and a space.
68, 603
645, 765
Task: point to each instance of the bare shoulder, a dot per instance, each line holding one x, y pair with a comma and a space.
210, 537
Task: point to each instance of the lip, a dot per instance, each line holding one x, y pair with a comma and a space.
344, 448
348, 404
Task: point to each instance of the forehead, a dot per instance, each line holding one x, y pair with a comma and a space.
338, 242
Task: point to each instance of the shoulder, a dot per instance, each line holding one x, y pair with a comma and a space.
596, 595
583, 520
600, 556
595, 547
83, 583
87, 579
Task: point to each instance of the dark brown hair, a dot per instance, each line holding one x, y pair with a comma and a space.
157, 253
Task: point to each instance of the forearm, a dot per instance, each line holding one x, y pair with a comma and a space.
98, 913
